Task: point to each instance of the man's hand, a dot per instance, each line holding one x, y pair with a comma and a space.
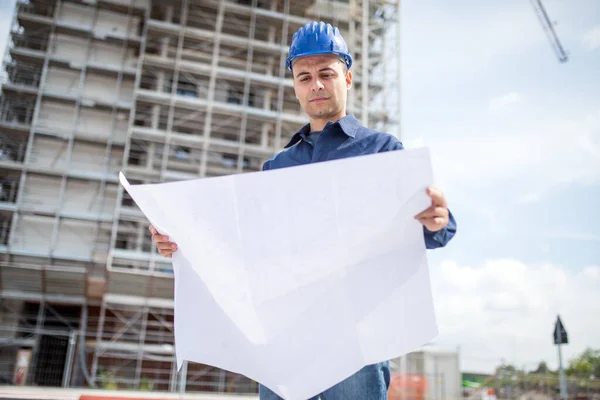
165, 248
436, 216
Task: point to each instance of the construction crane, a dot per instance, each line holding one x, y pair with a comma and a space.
549, 30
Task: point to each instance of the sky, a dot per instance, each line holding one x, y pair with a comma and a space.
514, 137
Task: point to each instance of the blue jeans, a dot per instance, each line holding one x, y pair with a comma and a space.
370, 383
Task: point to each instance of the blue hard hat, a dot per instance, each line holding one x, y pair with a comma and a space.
318, 38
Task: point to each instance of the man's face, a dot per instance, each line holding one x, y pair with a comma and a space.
321, 85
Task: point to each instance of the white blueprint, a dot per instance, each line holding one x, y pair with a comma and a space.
298, 277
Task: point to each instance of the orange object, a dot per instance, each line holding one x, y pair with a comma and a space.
407, 387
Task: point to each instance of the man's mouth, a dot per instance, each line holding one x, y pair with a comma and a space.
319, 99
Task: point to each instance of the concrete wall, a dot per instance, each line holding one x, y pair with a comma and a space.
69, 48
50, 153
111, 55
98, 125
75, 238
74, 49
104, 89
62, 81
56, 117
95, 87
41, 192
81, 196
84, 197
447, 366
76, 15
102, 247
33, 233
91, 158
107, 22
93, 123
135, 3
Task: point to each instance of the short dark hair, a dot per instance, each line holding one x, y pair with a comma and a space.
340, 59
345, 67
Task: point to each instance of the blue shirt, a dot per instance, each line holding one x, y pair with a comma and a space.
347, 138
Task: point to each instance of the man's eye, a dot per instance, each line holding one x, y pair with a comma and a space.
326, 76
303, 79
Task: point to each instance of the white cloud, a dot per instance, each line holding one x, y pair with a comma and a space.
533, 155
465, 38
529, 198
572, 236
507, 309
500, 102
591, 39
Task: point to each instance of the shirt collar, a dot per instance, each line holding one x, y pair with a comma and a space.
348, 125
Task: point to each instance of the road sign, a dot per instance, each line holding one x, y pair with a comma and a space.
560, 334
560, 338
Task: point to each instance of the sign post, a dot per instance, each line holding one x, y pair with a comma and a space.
560, 338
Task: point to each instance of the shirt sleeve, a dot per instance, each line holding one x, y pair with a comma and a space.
433, 240
265, 165
393, 144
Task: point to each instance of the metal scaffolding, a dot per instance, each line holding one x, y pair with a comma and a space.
165, 91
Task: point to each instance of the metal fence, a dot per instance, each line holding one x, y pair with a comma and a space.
31, 355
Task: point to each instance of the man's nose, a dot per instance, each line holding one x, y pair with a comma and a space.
317, 85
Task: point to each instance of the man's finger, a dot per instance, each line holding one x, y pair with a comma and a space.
437, 197
432, 212
429, 220
435, 217
166, 253
160, 238
434, 224
152, 230
166, 246
440, 221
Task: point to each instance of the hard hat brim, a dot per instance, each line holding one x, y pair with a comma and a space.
347, 58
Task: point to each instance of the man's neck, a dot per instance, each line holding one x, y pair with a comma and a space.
317, 125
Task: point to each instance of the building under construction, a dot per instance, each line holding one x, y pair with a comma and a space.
163, 90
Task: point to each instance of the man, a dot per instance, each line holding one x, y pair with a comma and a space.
320, 64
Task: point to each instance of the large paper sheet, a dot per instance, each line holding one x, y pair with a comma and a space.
299, 277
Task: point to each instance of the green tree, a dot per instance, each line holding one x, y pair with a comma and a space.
586, 365
542, 368
506, 368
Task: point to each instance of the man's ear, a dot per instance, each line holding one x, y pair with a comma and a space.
349, 80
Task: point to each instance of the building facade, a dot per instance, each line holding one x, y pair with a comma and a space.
164, 91
427, 374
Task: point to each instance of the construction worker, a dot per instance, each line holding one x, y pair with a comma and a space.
320, 64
